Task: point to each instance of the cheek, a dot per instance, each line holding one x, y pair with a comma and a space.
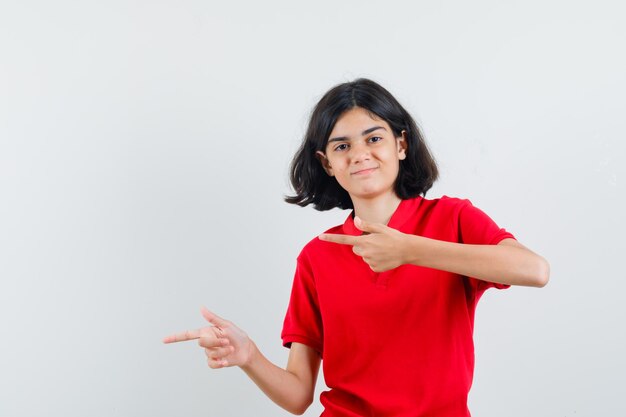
392, 158
336, 164
394, 170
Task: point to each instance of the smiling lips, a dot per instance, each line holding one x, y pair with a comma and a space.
364, 171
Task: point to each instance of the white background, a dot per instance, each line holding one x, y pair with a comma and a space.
144, 152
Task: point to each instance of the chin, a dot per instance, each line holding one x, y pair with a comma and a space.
371, 193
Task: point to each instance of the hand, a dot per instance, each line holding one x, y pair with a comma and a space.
382, 248
224, 343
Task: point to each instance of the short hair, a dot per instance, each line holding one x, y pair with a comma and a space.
312, 185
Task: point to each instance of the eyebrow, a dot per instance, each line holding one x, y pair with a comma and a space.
365, 132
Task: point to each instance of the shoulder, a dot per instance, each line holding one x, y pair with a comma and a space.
316, 247
445, 205
447, 201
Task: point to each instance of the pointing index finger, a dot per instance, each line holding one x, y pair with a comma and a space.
183, 337
341, 239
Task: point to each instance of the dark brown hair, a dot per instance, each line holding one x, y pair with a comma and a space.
418, 171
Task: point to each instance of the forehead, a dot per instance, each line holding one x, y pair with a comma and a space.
356, 120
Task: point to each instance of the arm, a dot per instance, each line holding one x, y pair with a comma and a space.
290, 388
227, 345
384, 248
508, 262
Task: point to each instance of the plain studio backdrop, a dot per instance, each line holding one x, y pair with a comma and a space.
144, 152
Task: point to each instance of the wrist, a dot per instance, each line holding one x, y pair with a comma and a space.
414, 249
253, 352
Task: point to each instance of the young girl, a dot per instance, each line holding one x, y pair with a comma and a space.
386, 299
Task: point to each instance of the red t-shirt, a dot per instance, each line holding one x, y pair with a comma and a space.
397, 343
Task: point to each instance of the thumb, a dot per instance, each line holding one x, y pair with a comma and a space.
213, 318
367, 226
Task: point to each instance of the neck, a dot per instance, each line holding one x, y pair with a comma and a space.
377, 209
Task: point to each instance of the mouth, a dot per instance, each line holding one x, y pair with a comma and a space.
364, 171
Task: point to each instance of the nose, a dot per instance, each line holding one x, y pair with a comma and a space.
359, 152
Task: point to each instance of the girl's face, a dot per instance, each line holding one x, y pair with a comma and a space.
363, 154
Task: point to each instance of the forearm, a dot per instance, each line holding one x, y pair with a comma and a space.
502, 264
283, 387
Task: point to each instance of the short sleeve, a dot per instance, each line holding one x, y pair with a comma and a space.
477, 228
303, 322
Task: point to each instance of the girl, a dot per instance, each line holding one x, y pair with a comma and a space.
386, 299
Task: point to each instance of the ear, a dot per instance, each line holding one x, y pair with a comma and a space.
324, 161
402, 145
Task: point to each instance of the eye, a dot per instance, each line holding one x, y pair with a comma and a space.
341, 147
375, 139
